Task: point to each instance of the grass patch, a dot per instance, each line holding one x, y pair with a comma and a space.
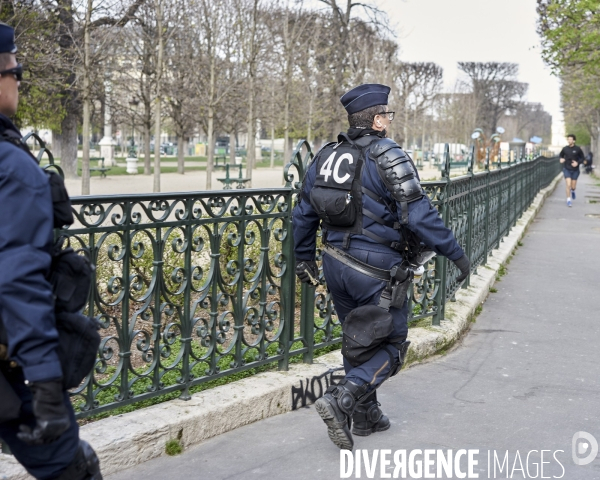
123, 170
493, 290
173, 447
502, 271
421, 323
519, 243
476, 313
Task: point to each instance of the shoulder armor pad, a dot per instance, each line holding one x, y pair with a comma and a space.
396, 170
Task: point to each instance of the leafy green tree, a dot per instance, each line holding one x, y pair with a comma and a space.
570, 33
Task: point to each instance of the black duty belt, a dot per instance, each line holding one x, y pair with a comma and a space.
357, 265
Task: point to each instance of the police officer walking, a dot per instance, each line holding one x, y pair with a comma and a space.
36, 417
378, 225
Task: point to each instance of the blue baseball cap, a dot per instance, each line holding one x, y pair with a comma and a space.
7, 39
365, 96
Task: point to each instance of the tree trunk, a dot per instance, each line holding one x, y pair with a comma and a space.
147, 162
405, 134
210, 154
286, 117
85, 161
273, 145
180, 155
159, 69
309, 123
56, 144
250, 144
232, 145
68, 159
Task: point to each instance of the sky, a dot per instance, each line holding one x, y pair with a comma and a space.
449, 31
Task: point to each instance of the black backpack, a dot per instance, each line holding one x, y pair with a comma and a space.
71, 276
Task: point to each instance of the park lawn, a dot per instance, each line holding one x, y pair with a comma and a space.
123, 170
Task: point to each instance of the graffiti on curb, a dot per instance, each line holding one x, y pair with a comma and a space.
312, 388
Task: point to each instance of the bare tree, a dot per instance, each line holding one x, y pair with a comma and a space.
251, 54
415, 87
343, 14
495, 88
218, 29
182, 107
160, 34
70, 30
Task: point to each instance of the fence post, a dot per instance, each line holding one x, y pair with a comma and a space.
469, 245
186, 320
307, 320
487, 206
441, 263
501, 187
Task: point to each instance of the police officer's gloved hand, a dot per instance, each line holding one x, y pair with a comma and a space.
464, 265
307, 271
50, 411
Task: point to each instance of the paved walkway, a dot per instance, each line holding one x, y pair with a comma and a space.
525, 378
170, 182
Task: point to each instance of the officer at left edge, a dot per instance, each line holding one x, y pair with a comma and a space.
37, 420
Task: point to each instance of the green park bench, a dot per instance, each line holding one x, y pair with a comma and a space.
99, 166
228, 180
222, 163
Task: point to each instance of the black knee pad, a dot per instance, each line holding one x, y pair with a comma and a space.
365, 329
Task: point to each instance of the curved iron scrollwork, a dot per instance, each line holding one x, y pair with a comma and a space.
301, 158
44, 150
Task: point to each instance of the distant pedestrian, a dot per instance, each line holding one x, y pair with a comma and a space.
571, 157
589, 160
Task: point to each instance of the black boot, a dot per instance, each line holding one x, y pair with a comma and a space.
336, 408
85, 465
368, 418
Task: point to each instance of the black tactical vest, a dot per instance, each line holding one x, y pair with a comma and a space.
336, 195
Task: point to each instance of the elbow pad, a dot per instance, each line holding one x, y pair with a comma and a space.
396, 170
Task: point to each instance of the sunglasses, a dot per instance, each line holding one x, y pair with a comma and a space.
17, 72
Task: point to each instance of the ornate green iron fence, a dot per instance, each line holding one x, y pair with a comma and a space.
192, 287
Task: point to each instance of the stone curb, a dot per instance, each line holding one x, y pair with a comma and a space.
123, 441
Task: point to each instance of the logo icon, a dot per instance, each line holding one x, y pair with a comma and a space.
584, 444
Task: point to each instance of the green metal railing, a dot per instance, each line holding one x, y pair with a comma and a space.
192, 287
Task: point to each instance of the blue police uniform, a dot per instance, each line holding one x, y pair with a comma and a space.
28, 336
374, 244
350, 288
26, 303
